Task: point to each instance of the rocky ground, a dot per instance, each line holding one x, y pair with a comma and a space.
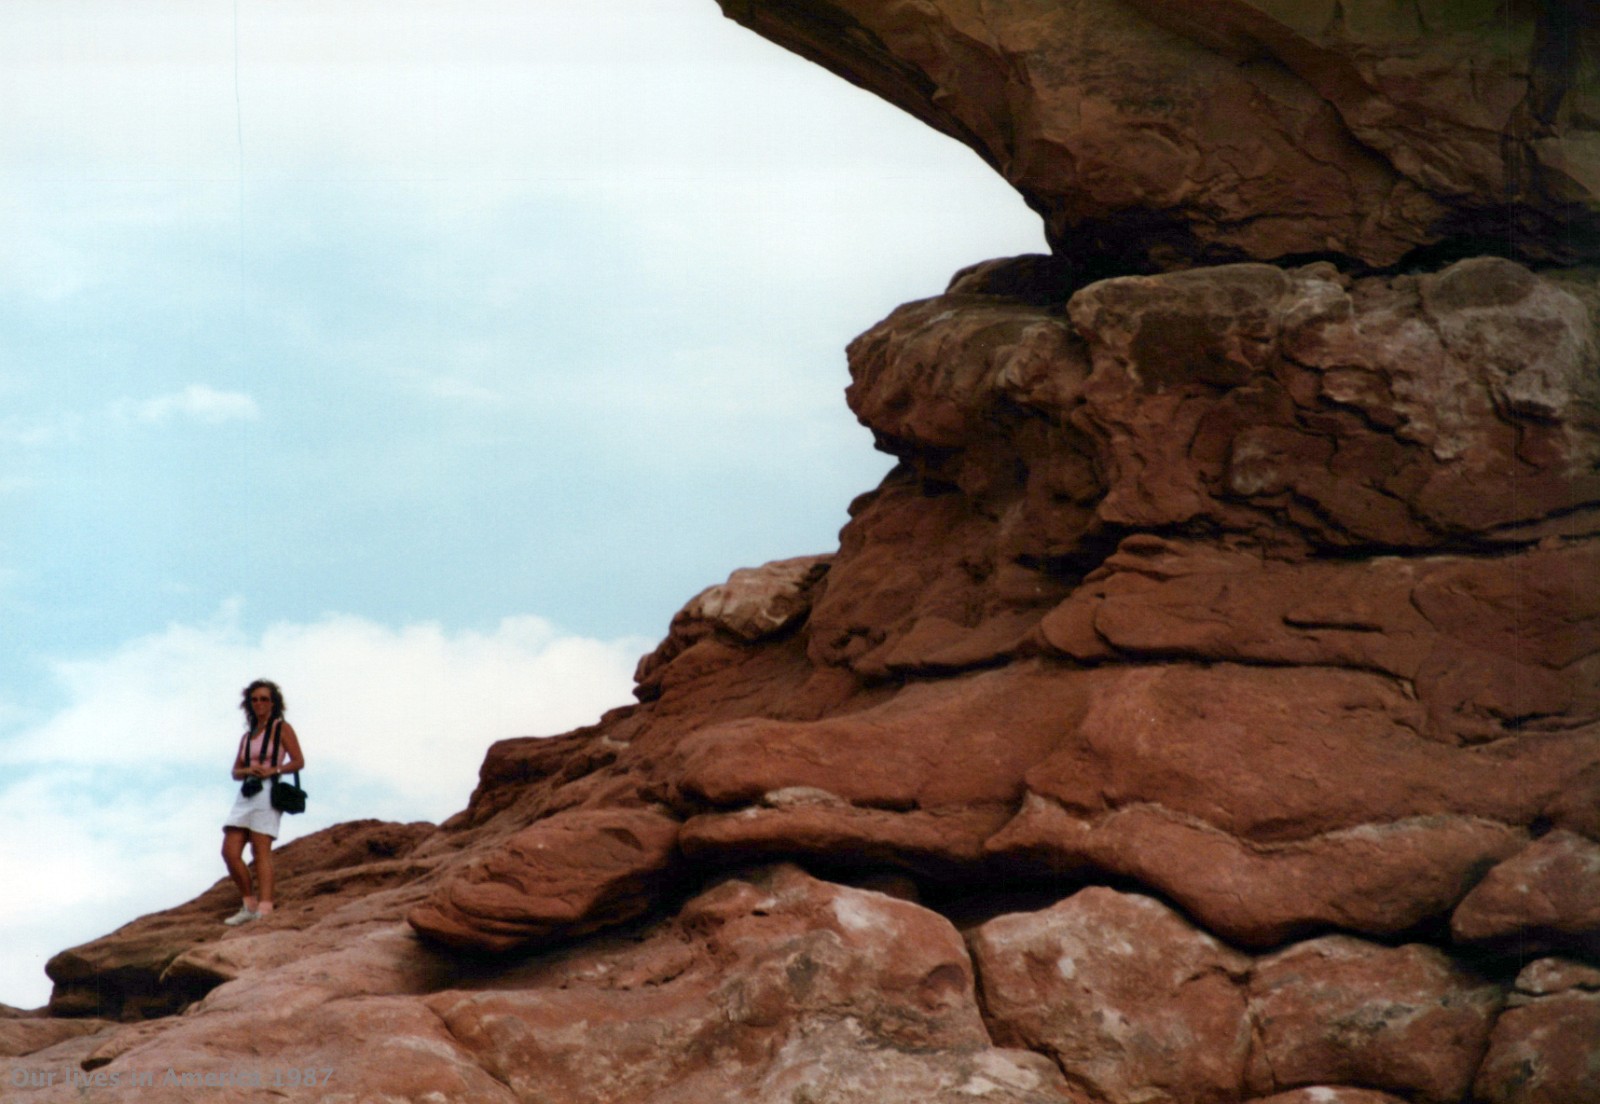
1205, 709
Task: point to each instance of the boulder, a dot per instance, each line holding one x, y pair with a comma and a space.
1130, 1000
1338, 1010
755, 602
1546, 896
1545, 1048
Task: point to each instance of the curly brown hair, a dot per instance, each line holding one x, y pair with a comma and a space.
277, 702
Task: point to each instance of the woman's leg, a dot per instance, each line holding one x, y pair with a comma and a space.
233, 856
261, 850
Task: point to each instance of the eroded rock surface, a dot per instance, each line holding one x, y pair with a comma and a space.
1205, 709
558, 878
1192, 664
159, 964
1167, 133
1130, 1000
1546, 1047
1544, 897
1339, 1010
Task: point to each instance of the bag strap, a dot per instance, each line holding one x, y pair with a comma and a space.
262, 758
277, 755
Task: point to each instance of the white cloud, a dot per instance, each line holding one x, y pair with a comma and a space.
113, 803
197, 402
411, 707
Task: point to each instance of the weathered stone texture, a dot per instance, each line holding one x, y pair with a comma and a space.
1169, 133
1206, 708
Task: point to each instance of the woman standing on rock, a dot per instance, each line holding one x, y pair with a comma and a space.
268, 748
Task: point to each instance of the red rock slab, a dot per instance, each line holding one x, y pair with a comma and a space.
1181, 367
1274, 801
571, 873
1274, 754
944, 843
1156, 597
1547, 895
1490, 644
518, 767
837, 1063
1519, 640
1271, 754
1547, 976
974, 392
23, 1035
940, 569
1132, 1002
344, 958
1158, 134
757, 602
759, 981
1337, 1010
948, 743
1378, 879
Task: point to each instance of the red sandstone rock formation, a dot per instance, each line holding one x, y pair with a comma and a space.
1206, 709
1165, 133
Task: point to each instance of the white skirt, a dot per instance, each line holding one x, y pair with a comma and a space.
255, 814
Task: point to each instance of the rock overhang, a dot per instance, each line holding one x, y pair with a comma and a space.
1154, 135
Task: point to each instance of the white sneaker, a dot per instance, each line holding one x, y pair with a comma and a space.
243, 916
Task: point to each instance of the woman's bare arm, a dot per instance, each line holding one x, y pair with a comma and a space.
291, 744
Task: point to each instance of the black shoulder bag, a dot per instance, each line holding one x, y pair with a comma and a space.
286, 797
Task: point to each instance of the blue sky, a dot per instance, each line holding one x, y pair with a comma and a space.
425, 357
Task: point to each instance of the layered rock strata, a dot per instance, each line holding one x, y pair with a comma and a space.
1205, 709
